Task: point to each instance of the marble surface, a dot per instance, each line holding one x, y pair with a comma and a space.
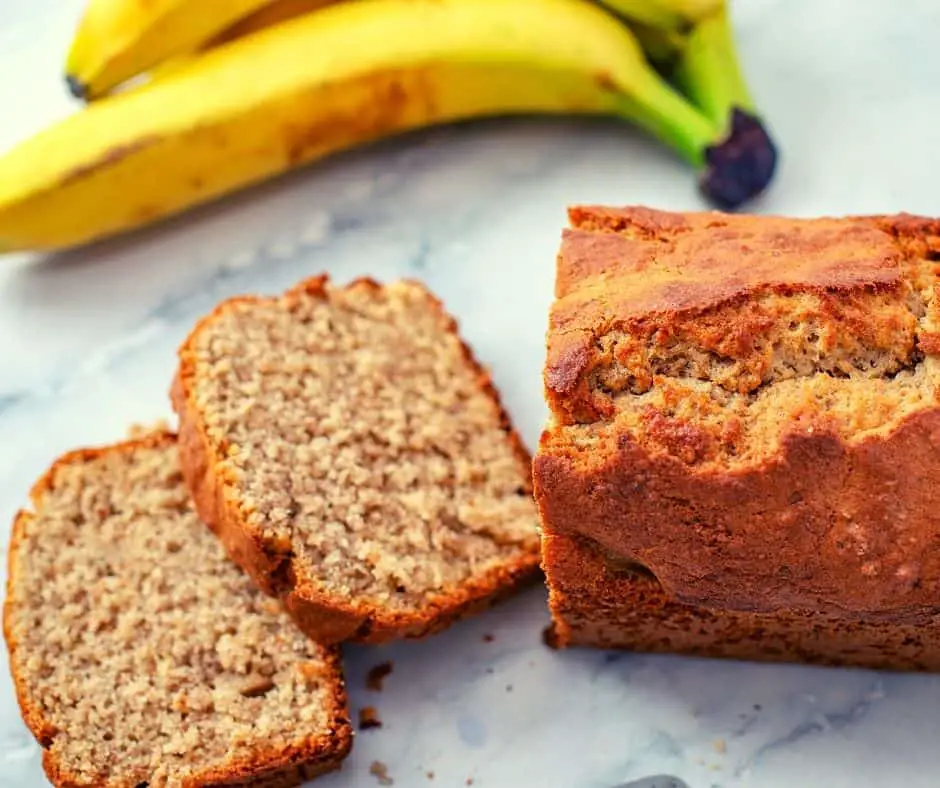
87, 344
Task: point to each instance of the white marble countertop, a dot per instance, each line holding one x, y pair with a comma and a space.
87, 345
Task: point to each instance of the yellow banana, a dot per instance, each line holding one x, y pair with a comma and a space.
347, 74
119, 39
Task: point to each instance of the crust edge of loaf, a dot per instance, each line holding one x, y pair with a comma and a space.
592, 604
267, 767
329, 619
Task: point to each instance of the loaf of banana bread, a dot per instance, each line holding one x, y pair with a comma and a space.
745, 436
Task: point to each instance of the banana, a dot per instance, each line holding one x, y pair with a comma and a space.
119, 39
347, 74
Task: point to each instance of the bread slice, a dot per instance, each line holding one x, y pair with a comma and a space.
141, 655
354, 458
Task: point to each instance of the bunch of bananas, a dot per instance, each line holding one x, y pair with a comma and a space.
187, 101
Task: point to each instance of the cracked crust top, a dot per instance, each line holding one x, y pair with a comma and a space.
748, 406
645, 297
355, 459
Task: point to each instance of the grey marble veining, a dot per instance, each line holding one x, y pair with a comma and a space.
88, 339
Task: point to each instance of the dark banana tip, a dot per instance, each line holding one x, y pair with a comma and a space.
740, 167
76, 87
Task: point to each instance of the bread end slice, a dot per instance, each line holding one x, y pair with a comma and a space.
123, 613
365, 390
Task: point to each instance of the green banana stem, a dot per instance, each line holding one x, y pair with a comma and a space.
670, 16
656, 14
708, 70
709, 73
656, 107
661, 46
689, 42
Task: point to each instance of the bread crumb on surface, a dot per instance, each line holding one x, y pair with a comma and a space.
369, 718
375, 678
380, 771
720, 746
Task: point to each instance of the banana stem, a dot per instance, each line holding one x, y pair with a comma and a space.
660, 46
742, 163
659, 109
708, 70
654, 13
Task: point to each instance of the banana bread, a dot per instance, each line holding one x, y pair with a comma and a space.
354, 458
743, 449
141, 655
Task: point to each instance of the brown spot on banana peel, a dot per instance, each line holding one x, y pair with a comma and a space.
606, 82
384, 109
147, 213
110, 157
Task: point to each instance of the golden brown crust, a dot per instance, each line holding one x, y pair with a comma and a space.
824, 526
622, 268
326, 618
596, 602
270, 768
825, 522
267, 769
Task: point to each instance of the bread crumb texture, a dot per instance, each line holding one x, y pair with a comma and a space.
361, 438
709, 337
142, 656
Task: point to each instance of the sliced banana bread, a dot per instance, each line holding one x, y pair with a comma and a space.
141, 655
354, 458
